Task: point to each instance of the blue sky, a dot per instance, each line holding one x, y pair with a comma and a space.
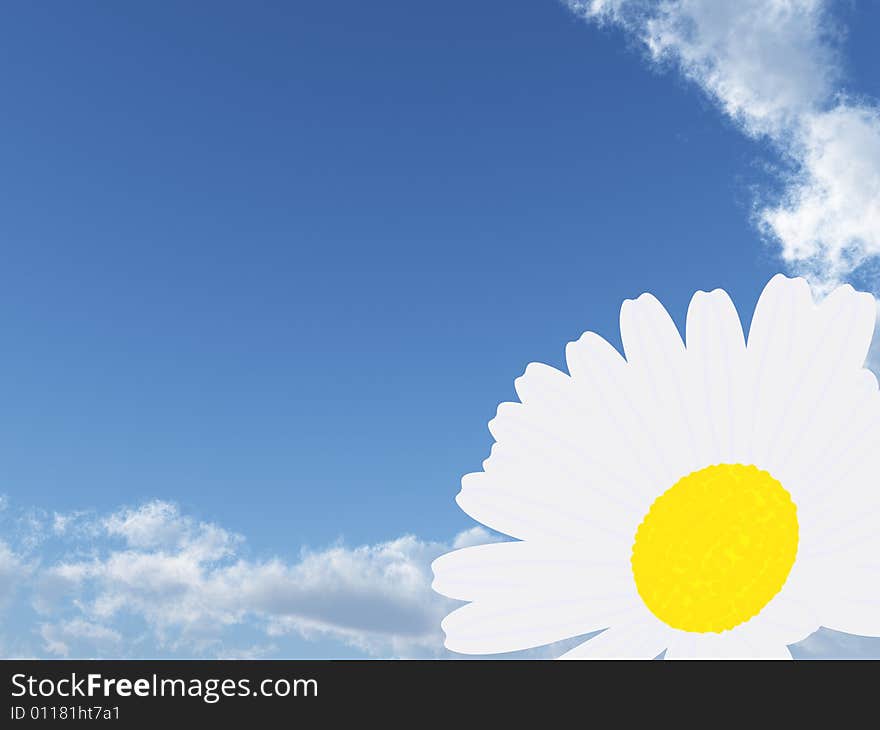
276, 264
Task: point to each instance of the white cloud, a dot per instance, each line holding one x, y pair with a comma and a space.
101, 640
376, 597
74, 524
13, 569
474, 536
764, 61
160, 526
829, 220
190, 584
255, 651
773, 67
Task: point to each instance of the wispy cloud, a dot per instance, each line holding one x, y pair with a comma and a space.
773, 67
13, 571
81, 637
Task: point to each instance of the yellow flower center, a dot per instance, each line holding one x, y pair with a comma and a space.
715, 548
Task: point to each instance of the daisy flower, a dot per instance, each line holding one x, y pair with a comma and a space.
718, 498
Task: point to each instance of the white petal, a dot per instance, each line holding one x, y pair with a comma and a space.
805, 360
613, 426
729, 645
855, 614
592, 354
846, 586
813, 392
531, 620
557, 470
506, 570
782, 306
539, 380
640, 641
847, 517
848, 319
780, 344
835, 450
766, 651
839, 514
520, 505
562, 441
718, 377
649, 335
658, 367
